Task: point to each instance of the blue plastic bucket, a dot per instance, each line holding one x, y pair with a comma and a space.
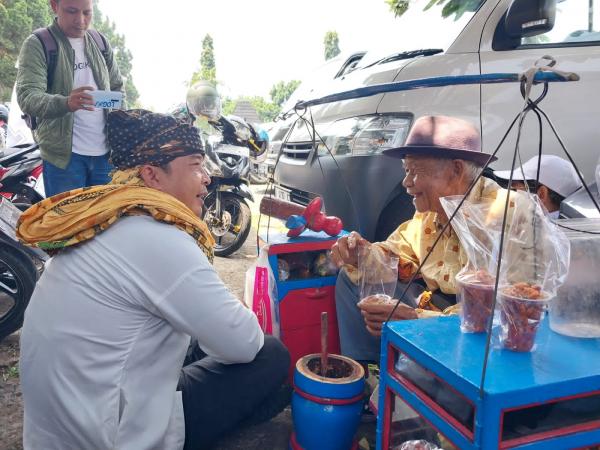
326, 411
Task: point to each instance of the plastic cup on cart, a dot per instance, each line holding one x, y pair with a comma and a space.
520, 319
475, 294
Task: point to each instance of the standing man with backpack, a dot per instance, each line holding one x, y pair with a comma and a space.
58, 67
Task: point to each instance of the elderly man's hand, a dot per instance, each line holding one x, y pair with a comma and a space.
345, 250
375, 314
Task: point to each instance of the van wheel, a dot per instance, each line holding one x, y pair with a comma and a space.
399, 210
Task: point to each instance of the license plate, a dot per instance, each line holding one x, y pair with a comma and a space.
9, 214
235, 150
282, 194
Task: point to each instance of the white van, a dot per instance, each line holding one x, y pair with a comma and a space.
363, 187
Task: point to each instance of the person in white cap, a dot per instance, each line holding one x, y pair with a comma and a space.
558, 179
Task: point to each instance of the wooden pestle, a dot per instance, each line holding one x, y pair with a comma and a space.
279, 209
324, 332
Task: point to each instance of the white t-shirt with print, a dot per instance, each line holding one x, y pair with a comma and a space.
88, 127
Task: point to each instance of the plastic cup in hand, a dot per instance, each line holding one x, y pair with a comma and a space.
377, 299
378, 271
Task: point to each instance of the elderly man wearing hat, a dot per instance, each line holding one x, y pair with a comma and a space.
442, 156
557, 180
105, 355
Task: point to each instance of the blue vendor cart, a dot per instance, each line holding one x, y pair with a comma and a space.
547, 399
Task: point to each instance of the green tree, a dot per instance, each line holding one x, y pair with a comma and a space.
398, 7
281, 91
122, 54
18, 18
208, 69
450, 7
228, 106
331, 42
267, 111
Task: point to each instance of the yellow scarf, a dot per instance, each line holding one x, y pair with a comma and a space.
75, 216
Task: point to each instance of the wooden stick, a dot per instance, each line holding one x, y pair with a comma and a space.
279, 209
324, 332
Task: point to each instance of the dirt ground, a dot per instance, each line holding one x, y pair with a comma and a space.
272, 435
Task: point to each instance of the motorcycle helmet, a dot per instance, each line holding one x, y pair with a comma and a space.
261, 142
204, 100
263, 135
181, 112
4, 113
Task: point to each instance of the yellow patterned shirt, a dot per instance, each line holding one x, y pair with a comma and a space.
414, 239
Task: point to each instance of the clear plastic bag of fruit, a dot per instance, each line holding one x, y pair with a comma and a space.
534, 263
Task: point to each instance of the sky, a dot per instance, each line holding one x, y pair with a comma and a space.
256, 43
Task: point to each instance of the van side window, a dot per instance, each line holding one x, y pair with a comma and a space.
576, 21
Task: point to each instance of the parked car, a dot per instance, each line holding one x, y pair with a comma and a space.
363, 187
579, 204
332, 69
277, 133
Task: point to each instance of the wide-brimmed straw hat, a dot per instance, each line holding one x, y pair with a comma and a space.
442, 137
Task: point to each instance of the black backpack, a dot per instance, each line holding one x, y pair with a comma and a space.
50, 47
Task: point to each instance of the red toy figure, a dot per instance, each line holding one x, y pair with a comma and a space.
299, 219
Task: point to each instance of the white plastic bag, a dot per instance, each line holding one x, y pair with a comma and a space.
418, 445
260, 293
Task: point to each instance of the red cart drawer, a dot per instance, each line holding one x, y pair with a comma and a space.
303, 307
300, 319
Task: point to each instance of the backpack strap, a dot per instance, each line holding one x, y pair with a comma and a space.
50, 47
100, 41
50, 51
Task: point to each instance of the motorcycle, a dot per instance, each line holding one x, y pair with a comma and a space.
20, 175
20, 268
226, 211
229, 156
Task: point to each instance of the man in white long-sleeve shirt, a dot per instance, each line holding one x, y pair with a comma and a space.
109, 325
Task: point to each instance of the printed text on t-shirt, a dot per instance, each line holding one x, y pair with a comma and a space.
82, 65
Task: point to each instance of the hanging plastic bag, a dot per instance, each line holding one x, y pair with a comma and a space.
260, 293
378, 272
535, 262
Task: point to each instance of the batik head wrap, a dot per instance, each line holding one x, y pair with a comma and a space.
76, 216
138, 137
